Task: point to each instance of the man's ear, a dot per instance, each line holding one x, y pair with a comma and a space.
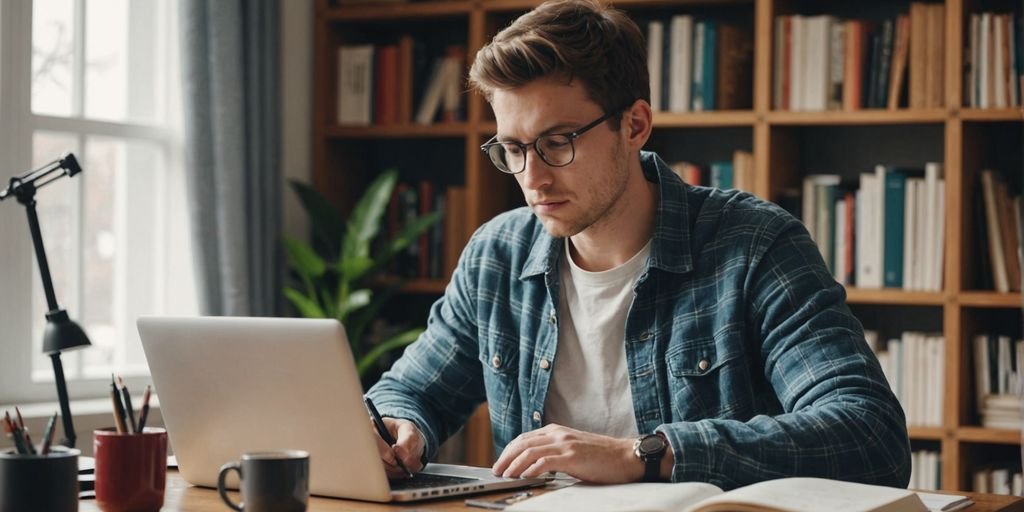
637, 122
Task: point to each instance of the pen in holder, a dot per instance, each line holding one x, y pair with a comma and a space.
131, 469
39, 482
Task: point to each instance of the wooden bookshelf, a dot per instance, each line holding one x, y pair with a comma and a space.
781, 143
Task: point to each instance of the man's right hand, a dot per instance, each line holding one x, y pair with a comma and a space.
408, 447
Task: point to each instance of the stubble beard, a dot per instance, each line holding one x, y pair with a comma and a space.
606, 198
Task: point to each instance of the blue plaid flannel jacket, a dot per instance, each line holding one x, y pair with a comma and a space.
740, 346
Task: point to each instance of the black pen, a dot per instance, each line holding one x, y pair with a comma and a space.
383, 431
128, 406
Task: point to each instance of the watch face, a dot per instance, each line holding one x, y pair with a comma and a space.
651, 444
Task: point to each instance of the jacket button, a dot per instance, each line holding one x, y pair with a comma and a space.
496, 362
703, 365
552, 318
536, 416
544, 364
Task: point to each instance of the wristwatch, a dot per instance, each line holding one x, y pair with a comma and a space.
650, 449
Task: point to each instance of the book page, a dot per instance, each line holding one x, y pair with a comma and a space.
641, 497
812, 495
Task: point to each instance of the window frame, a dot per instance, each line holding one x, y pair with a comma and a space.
19, 276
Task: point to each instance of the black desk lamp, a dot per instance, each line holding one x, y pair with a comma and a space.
61, 332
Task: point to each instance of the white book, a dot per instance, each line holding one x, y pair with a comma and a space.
935, 226
435, 91
877, 252
655, 43
911, 259
1018, 485
939, 380
980, 370
871, 338
785, 494
355, 85
1003, 367
808, 207
1000, 481
836, 63
939, 269
981, 479
816, 68
998, 71
682, 63
923, 233
864, 212
840, 241
796, 63
916, 463
983, 59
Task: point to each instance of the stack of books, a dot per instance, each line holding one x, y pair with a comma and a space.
994, 61
999, 383
826, 63
925, 470
699, 65
998, 215
1000, 480
887, 233
914, 364
737, 174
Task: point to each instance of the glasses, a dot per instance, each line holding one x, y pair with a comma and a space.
555, 149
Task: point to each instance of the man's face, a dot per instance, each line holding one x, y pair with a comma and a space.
570, 199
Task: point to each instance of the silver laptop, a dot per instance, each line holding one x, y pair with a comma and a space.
228, 386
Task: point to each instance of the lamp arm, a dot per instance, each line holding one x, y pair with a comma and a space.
62, 397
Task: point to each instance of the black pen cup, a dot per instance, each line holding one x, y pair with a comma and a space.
39, 482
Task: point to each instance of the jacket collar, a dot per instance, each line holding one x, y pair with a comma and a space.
670, 248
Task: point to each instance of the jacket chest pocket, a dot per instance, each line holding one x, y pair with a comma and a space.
708, 379
500, 369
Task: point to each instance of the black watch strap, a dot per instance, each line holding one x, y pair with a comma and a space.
652, 468
651, 449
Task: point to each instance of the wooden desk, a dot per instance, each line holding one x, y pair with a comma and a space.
180, 496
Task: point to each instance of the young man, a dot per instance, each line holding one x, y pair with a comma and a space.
626, 326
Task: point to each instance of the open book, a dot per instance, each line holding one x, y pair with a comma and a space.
784, 495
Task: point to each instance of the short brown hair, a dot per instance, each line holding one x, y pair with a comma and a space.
576, 39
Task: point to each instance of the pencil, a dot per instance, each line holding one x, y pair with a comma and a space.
144, 412
48, 435
16, 434
24, 431
118, 407
128, 405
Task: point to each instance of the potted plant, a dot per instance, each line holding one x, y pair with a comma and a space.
335, 282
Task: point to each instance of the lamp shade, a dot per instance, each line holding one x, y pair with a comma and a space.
62, 333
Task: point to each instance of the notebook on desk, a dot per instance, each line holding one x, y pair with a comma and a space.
228, 386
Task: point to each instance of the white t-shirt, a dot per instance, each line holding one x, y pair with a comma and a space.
589, 387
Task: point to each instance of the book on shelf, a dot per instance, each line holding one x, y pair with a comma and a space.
822, 62
887, 233
925, 470
780, 495
699, 65
1004, 479
994, 61
355, 85
737, 173
435, 253
914, 365
999, 380
1001, 228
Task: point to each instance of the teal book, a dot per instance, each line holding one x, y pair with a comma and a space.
710, 64
892, 254
722, 175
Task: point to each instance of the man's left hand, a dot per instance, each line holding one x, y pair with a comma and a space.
589, 457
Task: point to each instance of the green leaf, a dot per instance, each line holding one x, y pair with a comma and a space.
303, 258
352, 269
307, 307
396, 341
364, 224
358, 323
356, 300
326, 220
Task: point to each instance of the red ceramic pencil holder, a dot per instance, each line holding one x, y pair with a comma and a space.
131, 470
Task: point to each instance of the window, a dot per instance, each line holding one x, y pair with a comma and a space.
98, 78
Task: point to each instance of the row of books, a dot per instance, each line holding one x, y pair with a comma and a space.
889, 232
1006, 480
826, 63
1000, 229
999, 380
436, 253
925, 470
995, 61
914, 364
737, 174
699, 65
379, 85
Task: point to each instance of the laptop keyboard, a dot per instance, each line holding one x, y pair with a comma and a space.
421, 481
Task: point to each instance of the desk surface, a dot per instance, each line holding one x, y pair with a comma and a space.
182, 496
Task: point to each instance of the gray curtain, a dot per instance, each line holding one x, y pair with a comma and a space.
232, 139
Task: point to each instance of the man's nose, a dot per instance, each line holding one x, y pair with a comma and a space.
537, 173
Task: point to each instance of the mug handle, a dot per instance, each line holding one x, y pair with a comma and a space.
222, 488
